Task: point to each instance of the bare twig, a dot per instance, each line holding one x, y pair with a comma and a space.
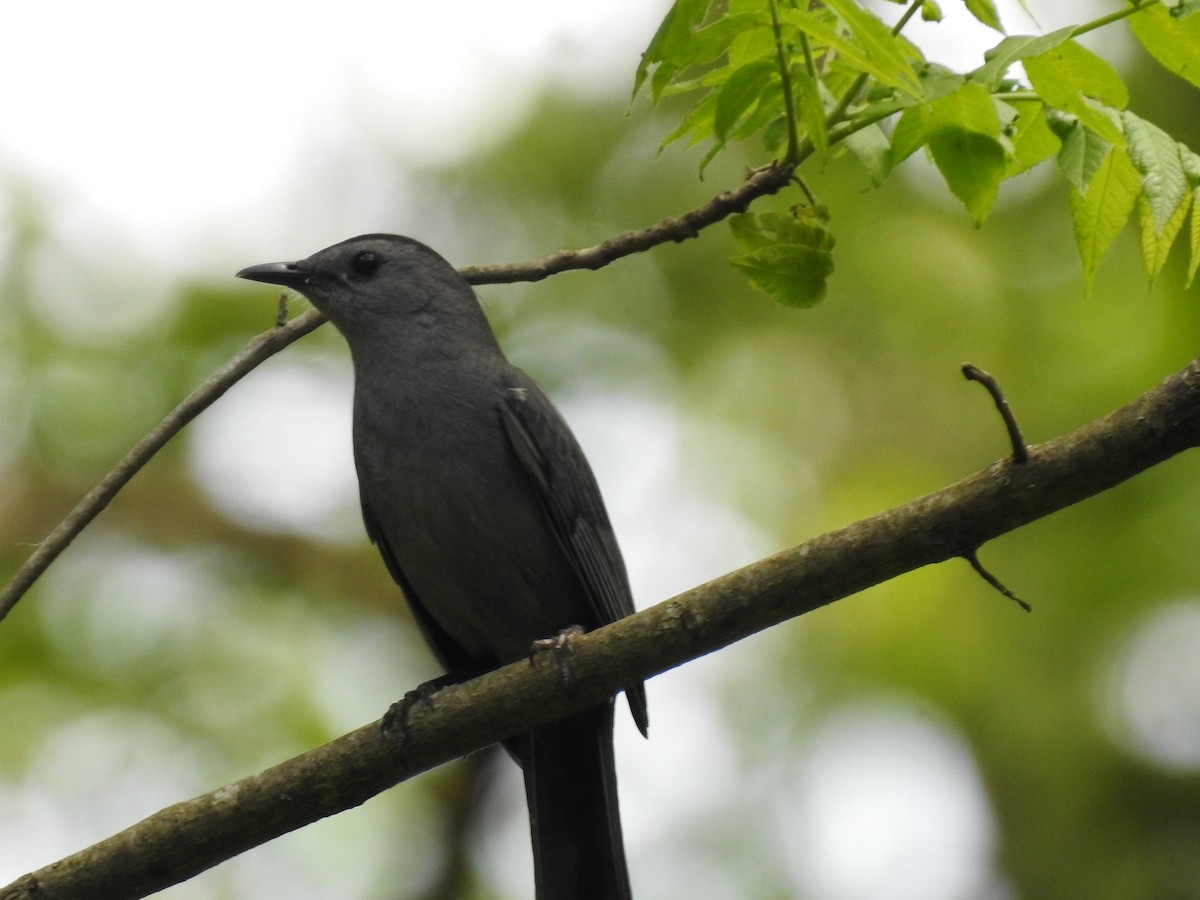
261, 348
972, 556
761, 182
1020, 452
182, 840
767, 180
281, 312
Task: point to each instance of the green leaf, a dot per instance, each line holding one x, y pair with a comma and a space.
1032, 139
882, 46
964, 129
1008, 125
1067, 76
1070, 68
930, 12
970, 108
1194, 248
1191, 168
1191, 165
972, 164
910, 133
871, 148
936, 82
1081, 155
775, 135
887, 71
1157, 239
1100, 213
985, 12
1172, 40
794, 276
683, 45
748, 234
973, 110
696, 125
812, 111
1157, 157
672, 36
739, 92
754, 40
786, 257
1011, 50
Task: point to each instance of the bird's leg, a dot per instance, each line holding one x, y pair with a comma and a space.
561, 646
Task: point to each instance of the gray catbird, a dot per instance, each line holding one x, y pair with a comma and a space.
487, 515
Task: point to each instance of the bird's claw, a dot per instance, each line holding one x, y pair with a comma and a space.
395, 720
561, 645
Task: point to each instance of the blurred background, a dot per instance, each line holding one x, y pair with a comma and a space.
925, 739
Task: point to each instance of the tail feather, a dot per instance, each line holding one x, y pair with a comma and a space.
571, 788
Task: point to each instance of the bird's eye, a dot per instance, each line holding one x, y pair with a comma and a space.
365, 263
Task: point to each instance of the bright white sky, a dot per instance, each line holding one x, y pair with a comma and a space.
157, 124
166, 121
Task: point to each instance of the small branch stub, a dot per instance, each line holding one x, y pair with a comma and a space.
1020, 453
972, 556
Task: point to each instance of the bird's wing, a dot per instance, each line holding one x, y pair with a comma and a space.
569, 496
571, 500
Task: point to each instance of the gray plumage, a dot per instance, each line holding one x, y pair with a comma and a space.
487, 515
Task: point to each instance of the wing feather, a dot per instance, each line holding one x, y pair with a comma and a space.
570, 498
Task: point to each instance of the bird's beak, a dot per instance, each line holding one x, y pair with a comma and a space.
288, 274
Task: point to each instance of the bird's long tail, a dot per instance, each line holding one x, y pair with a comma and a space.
571, 787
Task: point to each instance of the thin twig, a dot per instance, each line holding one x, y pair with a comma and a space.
761, 182
764, 181
281, 313
189, 837
972, 556
1020, 453
261, 348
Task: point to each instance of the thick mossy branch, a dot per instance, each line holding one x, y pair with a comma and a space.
192, 836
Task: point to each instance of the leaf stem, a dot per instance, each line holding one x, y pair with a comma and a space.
1017, 95
908, 14
1118, 15
839, 111
785, 76
809, 63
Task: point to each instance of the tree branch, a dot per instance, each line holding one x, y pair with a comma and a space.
257, 351
182, 840
761, 182
767, 180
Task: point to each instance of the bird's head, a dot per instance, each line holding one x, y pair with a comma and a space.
369, 281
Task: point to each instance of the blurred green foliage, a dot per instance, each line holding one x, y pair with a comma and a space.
806, 79
175, 648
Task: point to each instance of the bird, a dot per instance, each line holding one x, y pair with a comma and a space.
488, 517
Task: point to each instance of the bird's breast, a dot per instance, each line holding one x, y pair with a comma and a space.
465, 525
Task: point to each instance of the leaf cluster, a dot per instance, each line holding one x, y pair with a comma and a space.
810, 79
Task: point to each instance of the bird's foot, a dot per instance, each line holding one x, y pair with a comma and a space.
395, 720
561, 645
